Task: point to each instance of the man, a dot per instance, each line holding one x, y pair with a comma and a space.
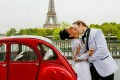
103, 65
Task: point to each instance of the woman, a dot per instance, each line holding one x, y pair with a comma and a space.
78, 48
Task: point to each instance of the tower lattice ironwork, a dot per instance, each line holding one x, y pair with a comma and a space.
51, 20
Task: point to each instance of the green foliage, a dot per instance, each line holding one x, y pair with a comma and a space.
105, 28
111, 28
11, 32
28, 31
36, 31
21, 31
64, 24
94, 26
49, 32
118, 35
56, 33
42, 32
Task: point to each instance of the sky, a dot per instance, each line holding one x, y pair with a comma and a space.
22, 14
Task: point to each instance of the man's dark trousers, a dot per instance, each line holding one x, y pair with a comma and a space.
96, 76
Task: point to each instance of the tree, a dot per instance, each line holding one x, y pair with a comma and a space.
114, 29
118, 35
36, 31
21, 31
49, 32
11, 32
64, 24
56, 33
94, 26
42, 32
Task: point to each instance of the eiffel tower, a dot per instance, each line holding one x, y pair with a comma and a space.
51, 20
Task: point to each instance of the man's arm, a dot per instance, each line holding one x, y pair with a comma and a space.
101, 47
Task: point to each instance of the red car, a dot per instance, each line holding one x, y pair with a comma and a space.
32, 58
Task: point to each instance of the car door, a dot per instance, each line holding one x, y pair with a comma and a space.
3, 61
24, 63
53, 66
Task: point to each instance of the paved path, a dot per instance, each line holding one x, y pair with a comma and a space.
117, 74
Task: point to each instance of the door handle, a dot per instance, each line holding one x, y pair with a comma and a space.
4, 65
37, 64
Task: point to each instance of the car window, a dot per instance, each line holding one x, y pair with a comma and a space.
20, 52
2, 52
46, 52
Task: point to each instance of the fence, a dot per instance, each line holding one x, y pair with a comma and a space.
113, 46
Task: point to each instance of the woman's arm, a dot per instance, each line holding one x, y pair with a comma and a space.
77, 50
85, 56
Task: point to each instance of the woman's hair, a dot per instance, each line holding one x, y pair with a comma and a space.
64, 34
79, 22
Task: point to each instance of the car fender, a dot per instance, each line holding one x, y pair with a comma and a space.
54, 73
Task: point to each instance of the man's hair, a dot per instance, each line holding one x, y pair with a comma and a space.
79, 22
64, 34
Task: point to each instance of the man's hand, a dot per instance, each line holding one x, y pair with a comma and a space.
91, 51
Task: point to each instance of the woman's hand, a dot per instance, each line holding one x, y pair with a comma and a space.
75, 56
77, 60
